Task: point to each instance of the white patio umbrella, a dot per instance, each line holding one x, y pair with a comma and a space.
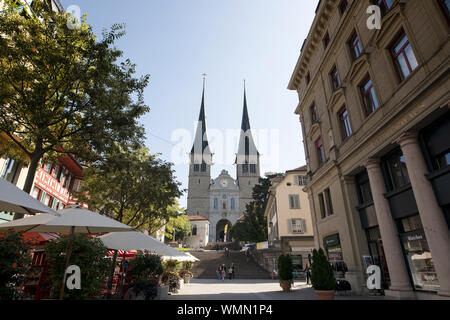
12, 199
73, 219
187, 257
136, 240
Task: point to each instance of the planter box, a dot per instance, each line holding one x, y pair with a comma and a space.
163, 292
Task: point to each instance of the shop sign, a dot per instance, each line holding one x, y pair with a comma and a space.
415, 237
332, 241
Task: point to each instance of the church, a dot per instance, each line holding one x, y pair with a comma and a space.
218, 203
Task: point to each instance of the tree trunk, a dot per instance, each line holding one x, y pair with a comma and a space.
34, 162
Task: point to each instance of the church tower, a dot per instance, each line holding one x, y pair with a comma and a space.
247, 160
200, 167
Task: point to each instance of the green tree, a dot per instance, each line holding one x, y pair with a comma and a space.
254, 226
14, 261
132, 187
178, 226
89, 254
64, 92
322, 275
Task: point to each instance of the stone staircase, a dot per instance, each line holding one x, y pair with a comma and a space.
210, 260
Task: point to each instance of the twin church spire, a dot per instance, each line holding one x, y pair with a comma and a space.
200, 149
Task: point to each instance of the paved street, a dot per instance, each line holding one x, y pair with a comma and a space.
207, 289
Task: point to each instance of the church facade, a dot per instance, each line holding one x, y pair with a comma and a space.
221, 200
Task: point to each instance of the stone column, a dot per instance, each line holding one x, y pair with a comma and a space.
388, 230
431, 214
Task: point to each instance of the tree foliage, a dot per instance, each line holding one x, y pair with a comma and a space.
179, 226
64, 91
89, 254
322, 275
14, 261
285, 267
132, 187
254, 226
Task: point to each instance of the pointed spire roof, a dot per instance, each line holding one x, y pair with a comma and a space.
245, 120
201, 144
247, 147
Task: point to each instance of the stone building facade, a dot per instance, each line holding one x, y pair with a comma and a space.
373, 106
289, 222
221, 200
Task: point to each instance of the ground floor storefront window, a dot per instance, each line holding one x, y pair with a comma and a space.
297, 264
418, 254
377, 256
332, 245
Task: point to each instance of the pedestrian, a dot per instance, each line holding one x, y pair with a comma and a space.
234, 269
219, 273
307, 271
224, 271
230, 272
247, 253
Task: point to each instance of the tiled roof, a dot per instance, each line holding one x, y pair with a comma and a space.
197, 218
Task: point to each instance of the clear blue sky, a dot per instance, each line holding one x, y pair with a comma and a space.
175, 41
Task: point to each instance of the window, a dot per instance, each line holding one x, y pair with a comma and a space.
369, 97
61, 174
445, 6
294, 201
443, 160
344, 122
343, 6
397, 173
55, 171
253, 168
329, 202
326, 40
233, 204
9, 170
224, 204
314, 117
216, 203
364, 191
355, 46
203, 167
298, 225
245, 168
385, 6
194, 230
67, 181
48, 168
302, 180
196, 167
323, 213
320, 151
335, 80
404, 57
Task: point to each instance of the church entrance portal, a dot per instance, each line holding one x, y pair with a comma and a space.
222, 233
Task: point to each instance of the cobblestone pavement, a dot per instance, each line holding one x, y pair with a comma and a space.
207, 289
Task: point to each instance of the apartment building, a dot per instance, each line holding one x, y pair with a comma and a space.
373, 107
290, 228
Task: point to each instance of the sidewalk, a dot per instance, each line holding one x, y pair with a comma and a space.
209, 289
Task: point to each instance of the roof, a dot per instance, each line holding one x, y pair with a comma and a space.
194, 218
302, 168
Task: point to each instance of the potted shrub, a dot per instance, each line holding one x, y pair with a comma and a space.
146, 270
322, 276
285, 270
186, 274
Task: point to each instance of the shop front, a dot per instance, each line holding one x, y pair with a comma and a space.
418, 255
333, 249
